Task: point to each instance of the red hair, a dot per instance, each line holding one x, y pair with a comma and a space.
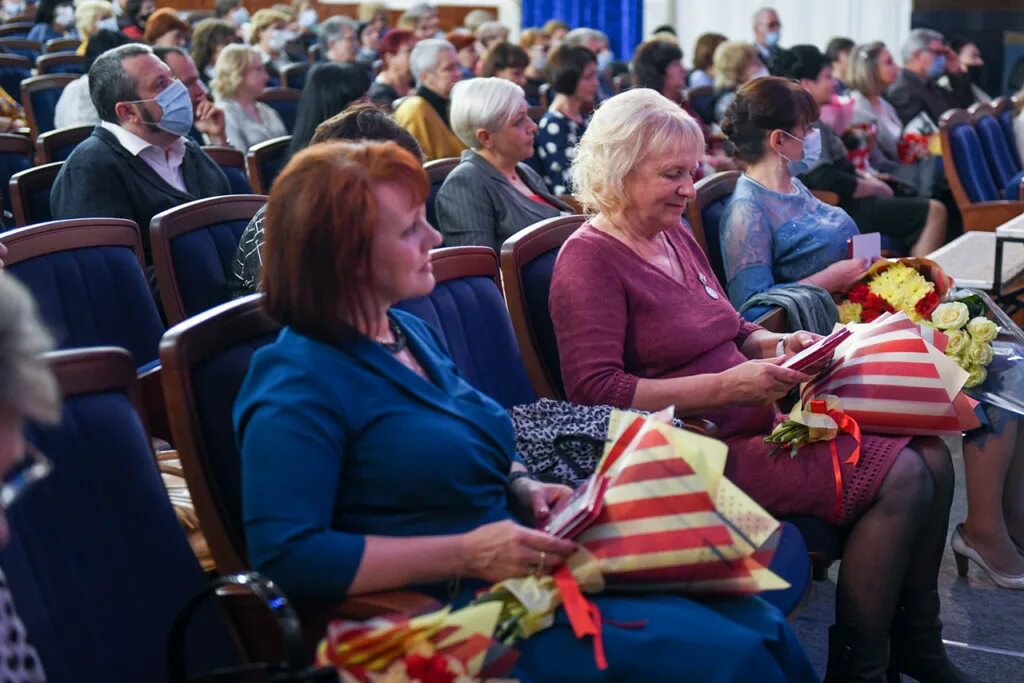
319, 231
394, 39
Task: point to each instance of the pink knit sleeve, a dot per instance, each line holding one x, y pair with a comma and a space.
588, 310
746, 329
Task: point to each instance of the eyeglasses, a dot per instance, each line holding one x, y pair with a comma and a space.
32, 468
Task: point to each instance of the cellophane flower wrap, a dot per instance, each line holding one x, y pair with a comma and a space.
915, 286
445, 646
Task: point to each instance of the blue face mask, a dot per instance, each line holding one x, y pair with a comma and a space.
604, 58
938, 66
812, 152
771, 39
176, 104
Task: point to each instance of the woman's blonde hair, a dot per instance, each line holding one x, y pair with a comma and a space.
90, 12
863, 70
488, 103
229, 71
623, 131
369, 10
264, 19
732, 58
26, 383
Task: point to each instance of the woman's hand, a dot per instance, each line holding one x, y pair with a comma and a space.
797, 342
503, 550
760, 382
536, 500
841, 275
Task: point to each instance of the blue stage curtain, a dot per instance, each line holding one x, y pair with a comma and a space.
622, 20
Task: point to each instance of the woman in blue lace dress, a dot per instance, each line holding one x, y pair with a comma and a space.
774, 231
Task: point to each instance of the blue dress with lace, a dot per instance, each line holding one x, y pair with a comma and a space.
769, 238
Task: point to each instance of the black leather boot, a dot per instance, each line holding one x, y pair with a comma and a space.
917, 648
855, 657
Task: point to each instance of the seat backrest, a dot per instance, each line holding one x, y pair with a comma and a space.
61, 63
702, 99
294, 75
97, 562
964, 161
232, 162
1004, 112
285, 102
15, 156
15, 29
22, 46
13, 70
705, 215
993, 143
86, 275
39, 96
61, 45
30, 193
437, 170
527, 262
467, 310
58, 144
264, 161
204, 360
193, 249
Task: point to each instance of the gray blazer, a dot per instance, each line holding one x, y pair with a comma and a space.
476, 205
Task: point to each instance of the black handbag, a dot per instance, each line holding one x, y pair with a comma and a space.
292, 670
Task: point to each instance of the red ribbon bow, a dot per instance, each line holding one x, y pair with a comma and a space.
846, 424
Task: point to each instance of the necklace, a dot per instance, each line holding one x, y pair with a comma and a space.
400, 340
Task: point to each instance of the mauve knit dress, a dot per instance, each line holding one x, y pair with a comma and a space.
619, 318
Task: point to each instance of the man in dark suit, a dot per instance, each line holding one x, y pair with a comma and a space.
926, 58
138, 161
767, 30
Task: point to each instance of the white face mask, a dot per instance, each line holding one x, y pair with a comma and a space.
240, 16
13, 9
64, 16
278, 39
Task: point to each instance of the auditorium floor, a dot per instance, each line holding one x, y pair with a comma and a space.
984, 625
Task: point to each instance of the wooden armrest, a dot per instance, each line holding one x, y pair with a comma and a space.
830, 198
571, 201
701, 426
988, 216
153, 404
774, 320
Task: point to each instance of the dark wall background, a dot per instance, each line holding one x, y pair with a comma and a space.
984, 22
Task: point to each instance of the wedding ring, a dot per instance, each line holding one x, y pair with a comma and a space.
540, 564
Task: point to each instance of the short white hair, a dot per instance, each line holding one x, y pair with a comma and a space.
427, 55
917, 40
488, 103
761, 11
623, 131
491, 30
579, 37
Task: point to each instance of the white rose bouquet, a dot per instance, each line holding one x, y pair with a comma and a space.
970, 335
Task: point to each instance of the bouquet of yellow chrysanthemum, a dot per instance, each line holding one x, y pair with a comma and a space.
914, 286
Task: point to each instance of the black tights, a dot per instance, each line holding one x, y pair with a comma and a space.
897, 544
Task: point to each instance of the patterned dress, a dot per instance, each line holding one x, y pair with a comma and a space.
556, 140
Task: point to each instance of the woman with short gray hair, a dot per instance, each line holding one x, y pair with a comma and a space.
435, 66
492, 194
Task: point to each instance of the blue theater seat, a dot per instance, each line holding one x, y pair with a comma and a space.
468, 312
232, 162
437, 170
285, 102
193, 249
30, 193
97, 563
1006, 172
264, 161
39, 96
87, 277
